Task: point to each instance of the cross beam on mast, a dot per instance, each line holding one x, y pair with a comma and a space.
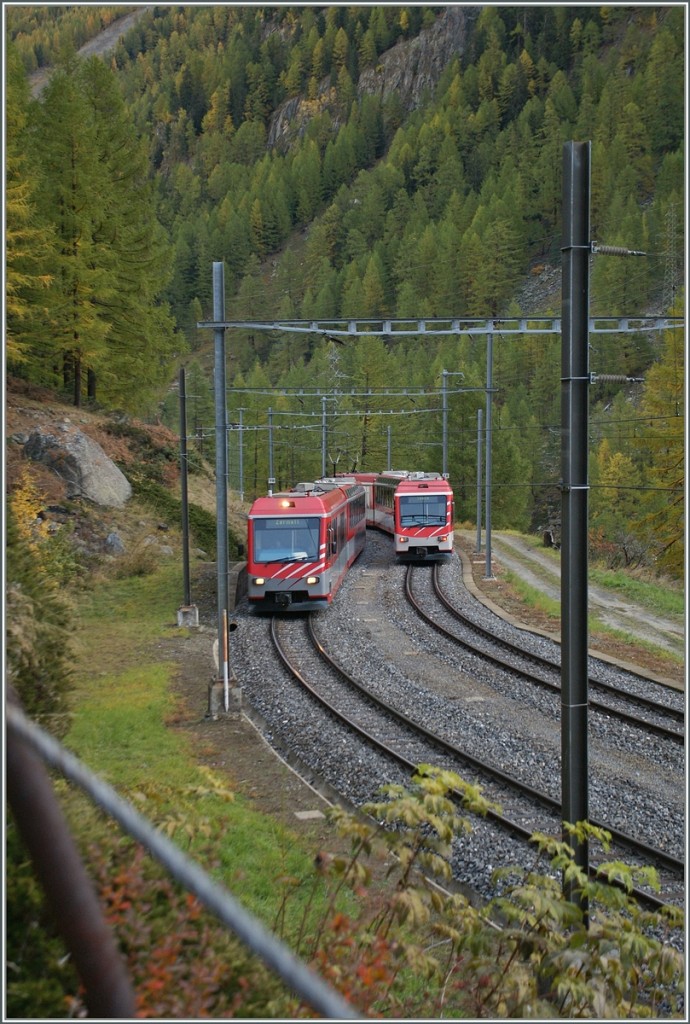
447, 326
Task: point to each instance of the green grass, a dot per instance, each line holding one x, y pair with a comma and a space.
532, 596
121, 701
535, 598
133, 609
663, 599
119, 729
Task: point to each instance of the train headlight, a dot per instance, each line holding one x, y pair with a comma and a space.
259, 581
312, 580
403, 540
443, 539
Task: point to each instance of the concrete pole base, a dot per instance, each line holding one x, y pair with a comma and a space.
188, 615
216, 698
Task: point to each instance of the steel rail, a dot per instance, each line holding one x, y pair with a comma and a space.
671, 863
379, 744
677, 714
636, 846
653, 727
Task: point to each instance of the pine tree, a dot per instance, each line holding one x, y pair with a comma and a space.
306, 174
353, 292
134, 251
615, 497
111, 259
72, 195
368, 365
511, 472
341, 48
373, 290
27, 244
663, 85
256, 228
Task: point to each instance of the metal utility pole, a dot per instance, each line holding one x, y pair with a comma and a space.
271, 478
187, 613
489, 399
388, 450
479, 481
444, 393
323, 436
575, 381
241, 458
444, 468
187, 592
221, 452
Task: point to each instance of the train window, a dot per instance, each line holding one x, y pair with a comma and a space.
384, 493
422, 509
357, 509
340, 533
283, 539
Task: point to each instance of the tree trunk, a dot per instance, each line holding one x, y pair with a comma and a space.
77, 381
68, 371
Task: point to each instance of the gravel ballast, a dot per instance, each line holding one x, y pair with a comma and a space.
636, 785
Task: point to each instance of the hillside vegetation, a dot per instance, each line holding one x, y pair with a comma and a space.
342, 162
359, 162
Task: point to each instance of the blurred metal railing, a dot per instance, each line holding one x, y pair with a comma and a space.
70, 893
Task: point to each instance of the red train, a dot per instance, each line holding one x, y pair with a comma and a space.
300, 543
416, 508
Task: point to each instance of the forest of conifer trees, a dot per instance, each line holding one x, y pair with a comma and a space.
128, 176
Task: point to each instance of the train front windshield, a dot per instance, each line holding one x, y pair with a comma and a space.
422, 510
286, 540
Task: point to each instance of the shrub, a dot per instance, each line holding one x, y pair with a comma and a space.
415, 950
182, 962
37, 655
202, 524
528, 952
39, 974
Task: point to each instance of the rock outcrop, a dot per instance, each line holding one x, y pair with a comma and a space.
407, 69
414, 66
81, 464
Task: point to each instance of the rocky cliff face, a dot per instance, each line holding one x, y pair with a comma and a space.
410, 68
407, 69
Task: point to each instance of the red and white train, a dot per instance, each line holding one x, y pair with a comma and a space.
300, 543
416, 508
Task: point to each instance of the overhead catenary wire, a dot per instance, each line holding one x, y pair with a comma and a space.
208, 433
365, 327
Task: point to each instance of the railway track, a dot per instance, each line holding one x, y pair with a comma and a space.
406, 741
664, 718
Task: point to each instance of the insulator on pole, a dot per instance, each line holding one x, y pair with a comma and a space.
614, 378
615, 250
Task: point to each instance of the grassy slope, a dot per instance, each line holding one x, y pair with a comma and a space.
122, 702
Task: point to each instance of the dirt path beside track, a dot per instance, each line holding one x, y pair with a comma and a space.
540, 570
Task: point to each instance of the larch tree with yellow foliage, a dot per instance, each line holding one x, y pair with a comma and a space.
663, 408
